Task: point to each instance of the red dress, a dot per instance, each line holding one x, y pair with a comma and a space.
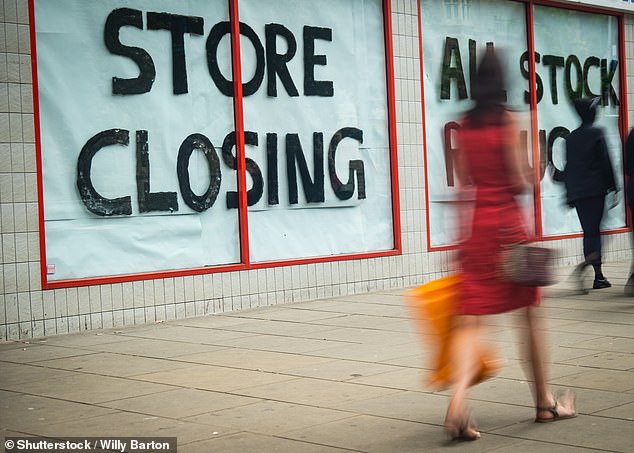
496, 221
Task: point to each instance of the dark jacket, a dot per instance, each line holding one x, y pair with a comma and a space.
629, 166
588, 169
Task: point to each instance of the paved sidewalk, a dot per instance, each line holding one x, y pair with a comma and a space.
343, 374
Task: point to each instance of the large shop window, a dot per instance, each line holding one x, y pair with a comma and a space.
576, 54
455, 33
320, 123
150, 166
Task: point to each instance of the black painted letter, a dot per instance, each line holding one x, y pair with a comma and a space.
148, 201
448, 72
95, 202
275, 62
313, 190
202, 143
525, 73
554, 62
143, 83
314, 87
213, 40
345, 191
255, 193
178, 25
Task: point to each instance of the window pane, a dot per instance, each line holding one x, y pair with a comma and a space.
316, 117
454, 35
130, 90
577, 57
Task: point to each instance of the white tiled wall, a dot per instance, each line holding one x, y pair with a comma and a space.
27, 311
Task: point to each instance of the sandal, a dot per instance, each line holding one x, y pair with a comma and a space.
554, 413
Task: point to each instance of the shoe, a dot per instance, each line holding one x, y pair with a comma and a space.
600, 283
568, 402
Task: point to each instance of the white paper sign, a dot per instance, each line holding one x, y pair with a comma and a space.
566, 40
580, 58
138, 144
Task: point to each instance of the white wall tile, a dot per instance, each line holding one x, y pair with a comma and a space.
139, 315
148, 293
10, 278
37, 328
160, 313
11, 38
128, 317
61, 306
168, 287
96, 321
95, 299
199, 288
50, 327
107, 320
19, 218
179, 289
216, 289
150, 315
6, 187
83, 297
106, 298
188, 283
24, 307
61, 326
8, 248
13, 331
15, 130
32, 217
73, 324
159, 292
4, 100
4, 66
137, 294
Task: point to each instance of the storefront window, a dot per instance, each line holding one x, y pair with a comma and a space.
138, 125
131, 130
454, 35
576, 56
317, 129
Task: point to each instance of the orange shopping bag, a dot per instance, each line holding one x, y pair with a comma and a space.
433, 307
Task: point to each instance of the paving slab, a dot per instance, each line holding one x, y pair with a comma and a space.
271, 417
251, 359
108, 364
341, 374
248, 441
180, 403
214, 378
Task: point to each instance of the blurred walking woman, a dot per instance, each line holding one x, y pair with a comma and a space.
490, 160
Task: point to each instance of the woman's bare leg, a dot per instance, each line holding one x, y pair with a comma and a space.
463, 353
544, 399
536, 355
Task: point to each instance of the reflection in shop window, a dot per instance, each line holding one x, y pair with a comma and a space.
458, 10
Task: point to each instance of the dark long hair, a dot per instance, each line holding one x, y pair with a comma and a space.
489, 91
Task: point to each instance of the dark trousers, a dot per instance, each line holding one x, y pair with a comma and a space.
590, 212
630, 200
